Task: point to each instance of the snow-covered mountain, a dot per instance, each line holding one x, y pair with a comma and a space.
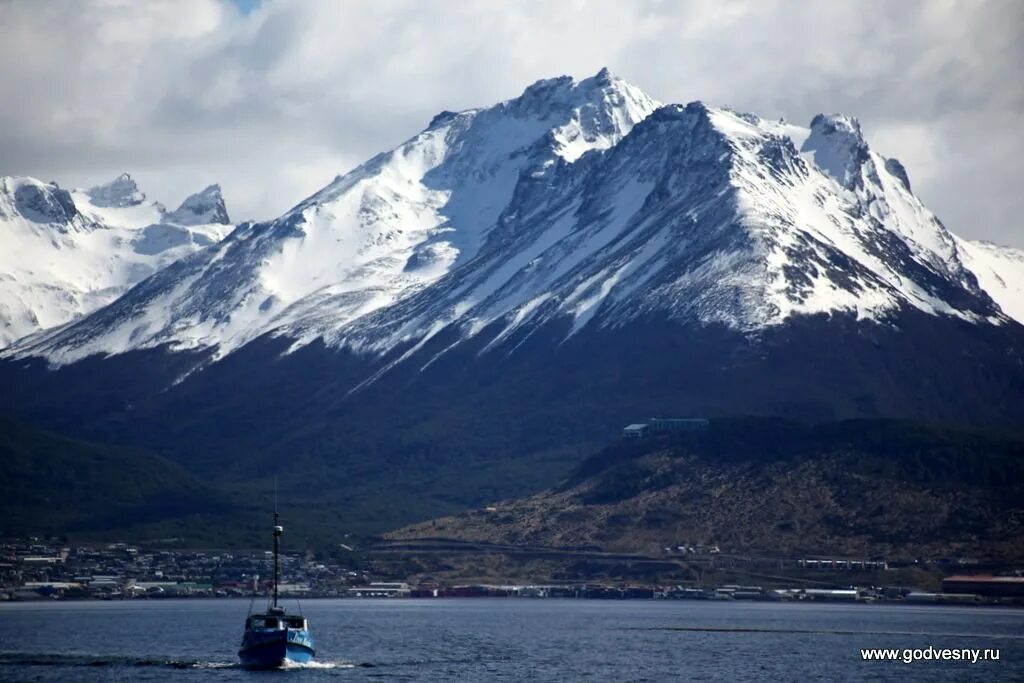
388, 228
699, 214
460, 318
581, 202
66, 253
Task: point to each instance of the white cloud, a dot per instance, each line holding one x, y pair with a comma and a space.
273, 104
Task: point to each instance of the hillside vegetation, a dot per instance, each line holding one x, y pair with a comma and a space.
861, 487
54, 484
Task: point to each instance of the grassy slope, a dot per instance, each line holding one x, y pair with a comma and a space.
862, 487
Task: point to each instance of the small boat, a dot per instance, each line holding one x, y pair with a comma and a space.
275, 638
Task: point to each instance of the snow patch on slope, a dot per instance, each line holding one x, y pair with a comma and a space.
1000, 272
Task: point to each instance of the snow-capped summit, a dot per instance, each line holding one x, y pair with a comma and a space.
201, 208
604, 108
39, 203
119, 203
65, 253
579, 204
120, 192
837, 147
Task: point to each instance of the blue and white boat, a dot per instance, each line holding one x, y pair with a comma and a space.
275, 638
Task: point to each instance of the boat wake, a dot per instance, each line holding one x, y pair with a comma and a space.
319, 665
74, 660
85, 660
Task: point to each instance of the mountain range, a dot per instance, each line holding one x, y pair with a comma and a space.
67, 253
471, 314
701, 214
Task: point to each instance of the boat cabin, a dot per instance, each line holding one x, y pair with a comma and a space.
274, 622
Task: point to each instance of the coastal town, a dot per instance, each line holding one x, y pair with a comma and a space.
45, 569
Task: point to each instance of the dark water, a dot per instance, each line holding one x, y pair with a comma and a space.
509, 640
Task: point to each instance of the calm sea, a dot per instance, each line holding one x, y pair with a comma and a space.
510, 640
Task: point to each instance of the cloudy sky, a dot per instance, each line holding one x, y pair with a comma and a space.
273, 99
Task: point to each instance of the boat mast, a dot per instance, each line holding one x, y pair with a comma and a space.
277, 542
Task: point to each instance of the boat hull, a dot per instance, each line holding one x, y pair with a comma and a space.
274, 650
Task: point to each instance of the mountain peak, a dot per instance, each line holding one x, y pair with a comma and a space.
202, 208
838, 147
552, 91
838, 123
606, 82
605, 75
120, 192
601, 110
606, 79
63, 254
36, 201
566, 90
